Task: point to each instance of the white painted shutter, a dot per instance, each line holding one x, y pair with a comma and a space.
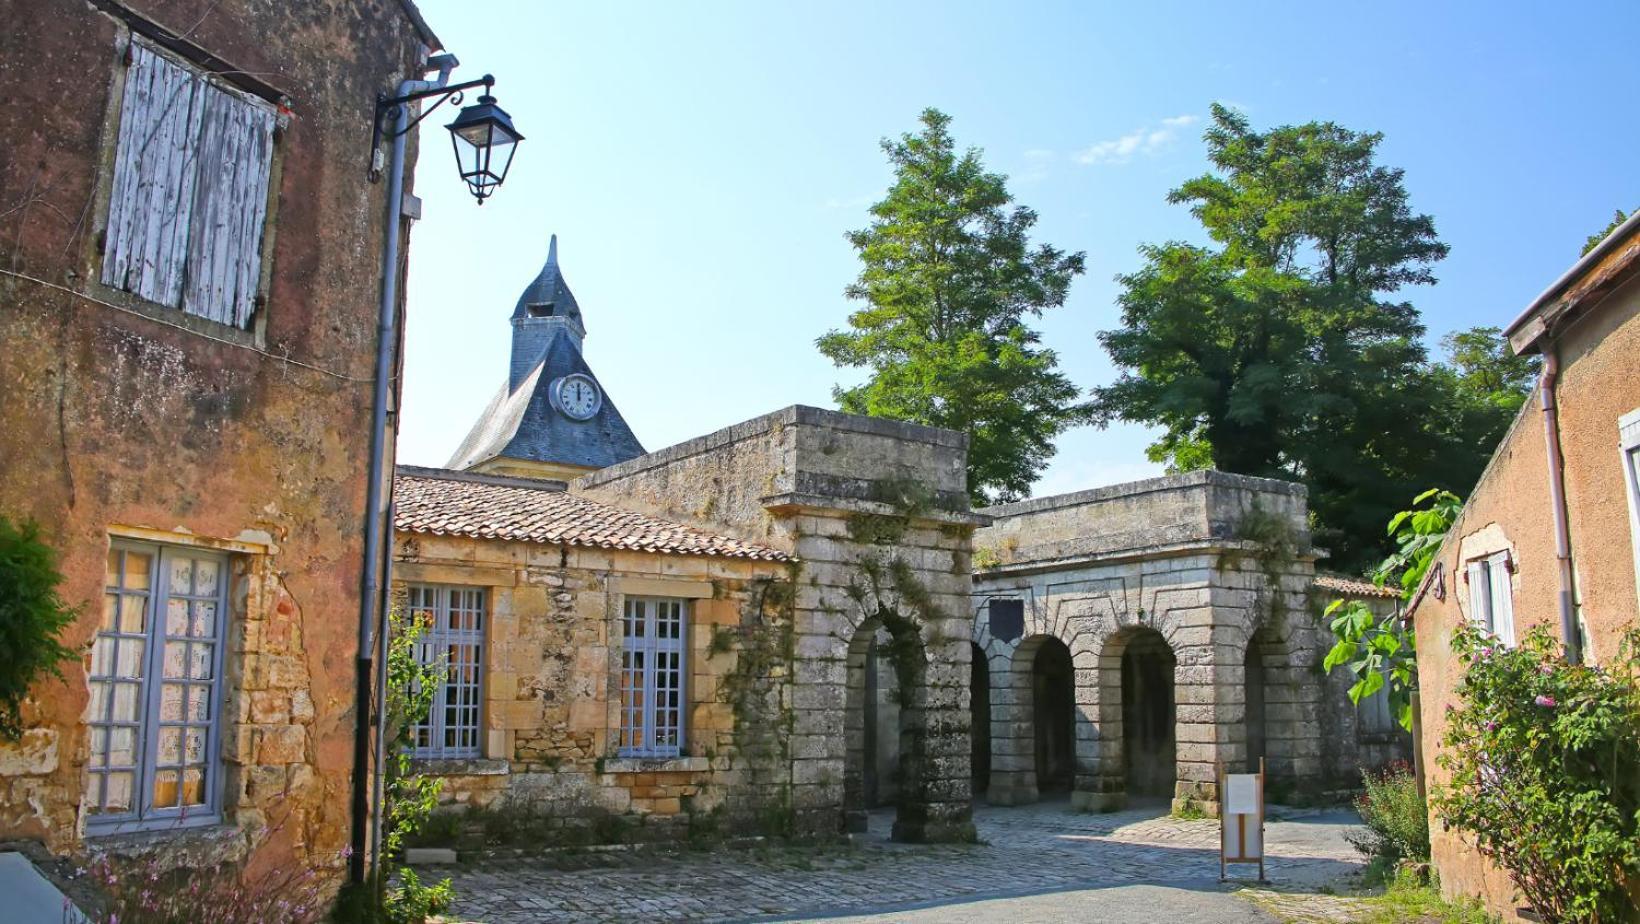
230, 202
190, 189
1503, 608
1480, 589
154, 170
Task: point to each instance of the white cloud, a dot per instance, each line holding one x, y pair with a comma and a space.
1145, 141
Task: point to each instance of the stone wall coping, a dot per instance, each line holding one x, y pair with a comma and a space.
461, 766
1123, 556
793, 502
658, 765
505, 481
1147, 486
788, 416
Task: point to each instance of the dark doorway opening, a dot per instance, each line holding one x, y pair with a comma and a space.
1053, 704
1148, 715
1257, 735
979, 715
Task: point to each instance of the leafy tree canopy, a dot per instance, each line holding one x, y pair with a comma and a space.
1617, 218
949, 278
1283, 348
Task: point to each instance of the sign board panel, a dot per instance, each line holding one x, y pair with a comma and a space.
1241, 819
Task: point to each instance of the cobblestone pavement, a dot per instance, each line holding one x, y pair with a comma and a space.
1027, 851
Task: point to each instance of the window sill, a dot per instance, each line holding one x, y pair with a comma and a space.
460, 766
657, 765
223, 840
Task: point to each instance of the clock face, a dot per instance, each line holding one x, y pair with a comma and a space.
578, 396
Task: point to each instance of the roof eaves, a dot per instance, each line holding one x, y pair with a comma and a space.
1533, 324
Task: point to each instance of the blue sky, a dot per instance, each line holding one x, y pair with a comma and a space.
700, 164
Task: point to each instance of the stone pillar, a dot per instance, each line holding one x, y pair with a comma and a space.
1013, 745
1088, 793
1210, 708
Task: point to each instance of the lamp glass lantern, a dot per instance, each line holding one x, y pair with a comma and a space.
485, 141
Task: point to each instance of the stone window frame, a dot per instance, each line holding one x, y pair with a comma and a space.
638, 724
132, 32
441, 634
1628, 433
1486, 575
148, 725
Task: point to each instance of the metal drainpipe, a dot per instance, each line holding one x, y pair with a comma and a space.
371, 578
1557, 503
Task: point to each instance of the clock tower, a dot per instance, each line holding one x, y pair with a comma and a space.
552, 418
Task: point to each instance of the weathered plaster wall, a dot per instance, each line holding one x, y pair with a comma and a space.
1509, 509
551, 698
1205, 560
114, 420
876, 513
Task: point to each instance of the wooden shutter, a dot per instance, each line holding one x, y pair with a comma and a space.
154, 170
1503, 607
190, 191
230, 202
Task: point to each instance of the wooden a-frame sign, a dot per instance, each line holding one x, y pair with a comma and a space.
1241, 819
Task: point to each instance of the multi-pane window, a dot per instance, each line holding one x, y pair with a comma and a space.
1491, 606
1628, 432
155, 688
652, 664
454, 638
190, 190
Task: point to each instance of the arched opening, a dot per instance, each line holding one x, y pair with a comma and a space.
979, 714
1148, 715
1257, 736
1053, 716
882, 720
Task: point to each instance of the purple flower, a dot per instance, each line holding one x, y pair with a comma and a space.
1546, 701
1491, 726
1546, 669
1486, 652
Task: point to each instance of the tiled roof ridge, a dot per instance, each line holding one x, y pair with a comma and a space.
447, 503
1360, 587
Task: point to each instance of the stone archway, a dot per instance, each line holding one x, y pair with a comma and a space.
1137, 717
1053, 716
979, 715
884, 725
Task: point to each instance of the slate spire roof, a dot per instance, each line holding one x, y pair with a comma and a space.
521, 421
549, 288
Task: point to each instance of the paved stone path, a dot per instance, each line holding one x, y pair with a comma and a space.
1074, 867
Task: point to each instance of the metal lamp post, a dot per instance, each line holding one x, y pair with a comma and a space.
485, 142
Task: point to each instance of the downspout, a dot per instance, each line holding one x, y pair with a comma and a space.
1557, 503
371, 582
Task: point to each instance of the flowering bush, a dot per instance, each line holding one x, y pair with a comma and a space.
1544, 764
152, 892
1395, 813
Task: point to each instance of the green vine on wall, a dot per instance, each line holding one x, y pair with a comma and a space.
32, 616
1275, 548
765, 648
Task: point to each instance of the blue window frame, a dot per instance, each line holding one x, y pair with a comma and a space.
156, 690
653, 646
454, 617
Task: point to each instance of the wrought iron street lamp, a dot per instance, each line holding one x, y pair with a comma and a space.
485, 141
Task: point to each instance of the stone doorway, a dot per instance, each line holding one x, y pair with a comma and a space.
882, 720
1257, 734
1053, 716
979, 714
1148, 714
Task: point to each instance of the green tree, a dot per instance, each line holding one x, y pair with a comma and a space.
1280, 349
32, 616
1617, 218
949, 278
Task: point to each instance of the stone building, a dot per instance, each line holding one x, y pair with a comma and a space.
1550, 536
793, 557
188, 318
1130, 639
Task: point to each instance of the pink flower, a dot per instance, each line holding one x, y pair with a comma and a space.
1546, 701
1486, 652
1546, 669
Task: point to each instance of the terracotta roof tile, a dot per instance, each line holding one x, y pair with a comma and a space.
1353, 587
445, 503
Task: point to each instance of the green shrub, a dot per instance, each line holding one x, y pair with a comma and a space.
1544, 765
31, 616
1396, 816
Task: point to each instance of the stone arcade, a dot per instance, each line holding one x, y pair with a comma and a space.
781, 625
